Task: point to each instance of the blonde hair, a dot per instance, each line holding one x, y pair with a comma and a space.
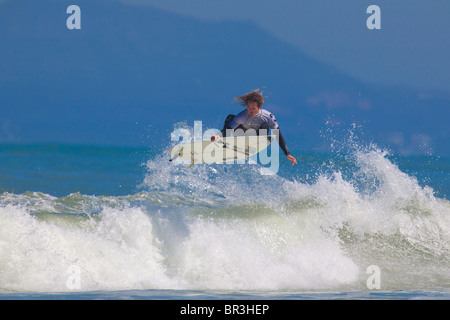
253, 96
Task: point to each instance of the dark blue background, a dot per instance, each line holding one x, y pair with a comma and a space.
134, 71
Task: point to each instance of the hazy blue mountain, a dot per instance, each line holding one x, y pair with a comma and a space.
132, 72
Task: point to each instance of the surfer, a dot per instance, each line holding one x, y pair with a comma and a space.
253, 117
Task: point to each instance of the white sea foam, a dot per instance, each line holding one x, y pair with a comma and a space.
229, 228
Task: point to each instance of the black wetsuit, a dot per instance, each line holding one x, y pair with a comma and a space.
263, 120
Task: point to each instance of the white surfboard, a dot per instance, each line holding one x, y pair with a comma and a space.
223, 150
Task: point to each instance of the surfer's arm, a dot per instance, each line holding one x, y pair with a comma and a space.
222, 133
283, 146
280, 139
282, 143
273, 124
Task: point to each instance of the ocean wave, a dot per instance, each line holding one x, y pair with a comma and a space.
227, 227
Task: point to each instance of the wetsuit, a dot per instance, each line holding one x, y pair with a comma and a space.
263, 120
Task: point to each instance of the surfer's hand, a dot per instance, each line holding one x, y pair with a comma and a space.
294, 161
214, 138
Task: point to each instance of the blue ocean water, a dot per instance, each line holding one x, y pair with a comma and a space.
90, 222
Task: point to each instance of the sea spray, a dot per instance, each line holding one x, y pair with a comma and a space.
116, 250
227, 227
